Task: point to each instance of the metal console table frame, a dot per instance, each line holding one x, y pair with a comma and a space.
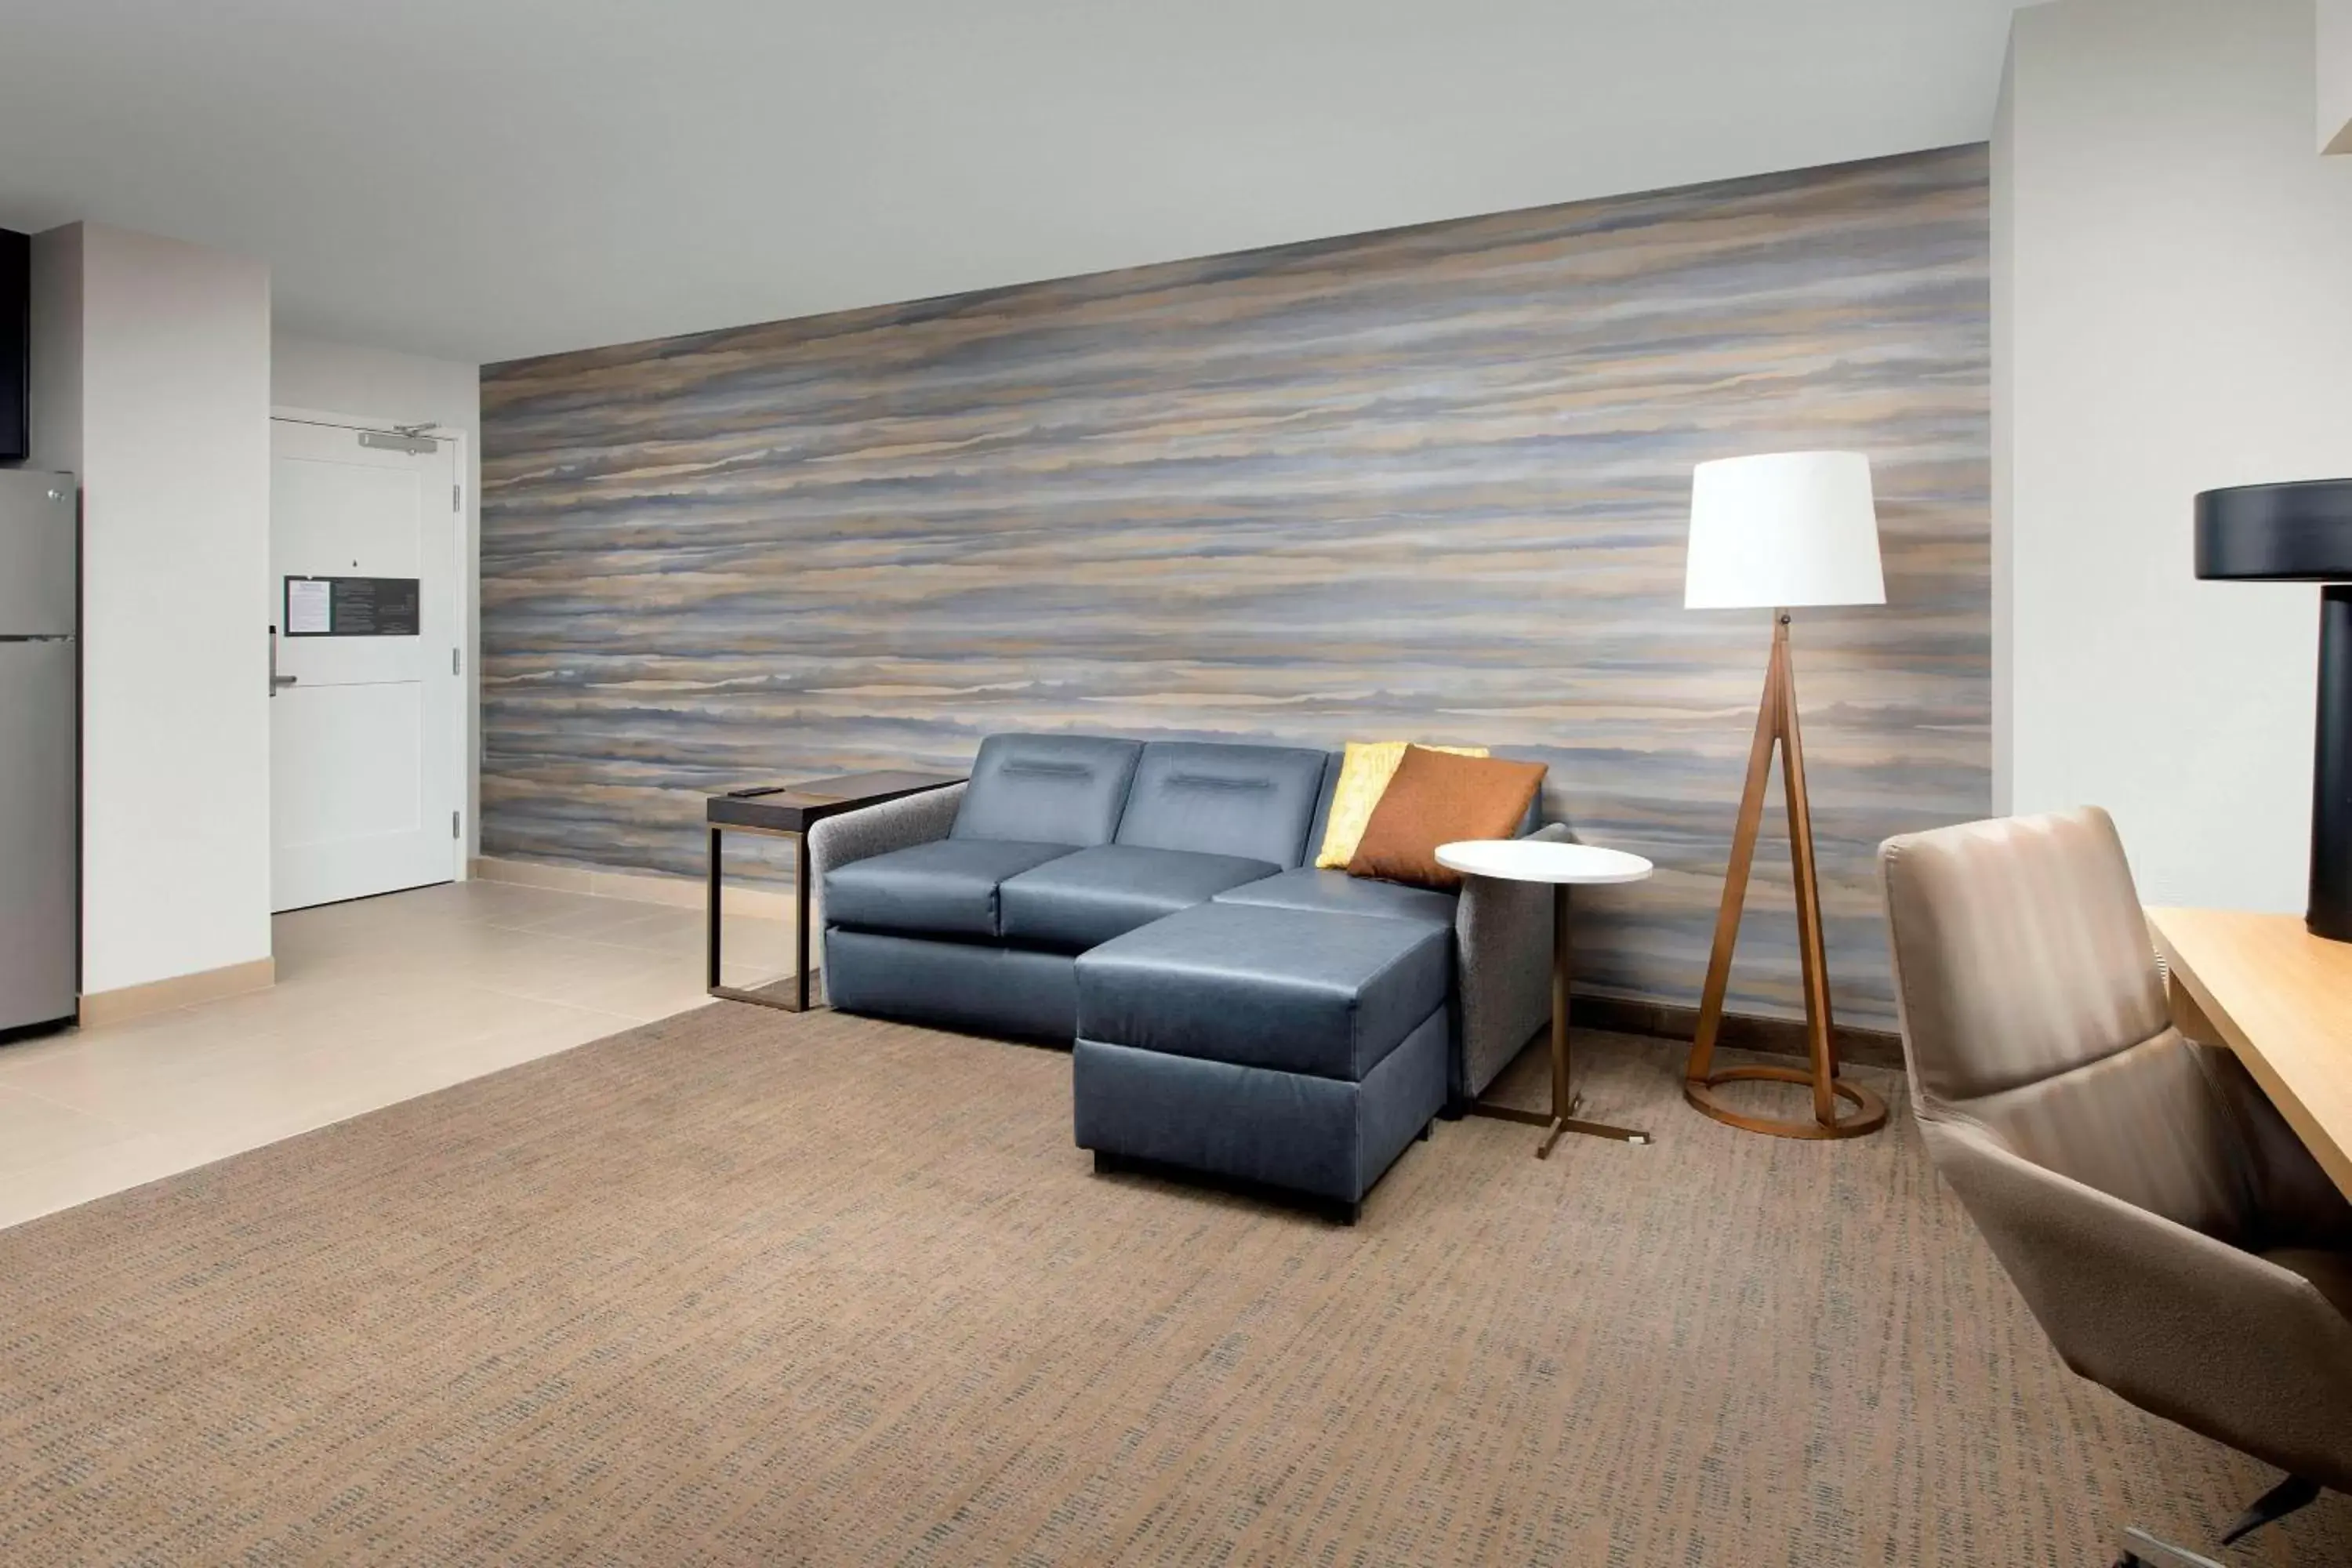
789, 811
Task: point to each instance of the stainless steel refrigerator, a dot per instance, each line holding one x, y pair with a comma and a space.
40, 749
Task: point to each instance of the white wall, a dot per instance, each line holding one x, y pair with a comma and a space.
321, 377
2336, 75
2176, 315
156, 391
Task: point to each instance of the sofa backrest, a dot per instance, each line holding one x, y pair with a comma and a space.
1320, 823
1219, 799
1047, 789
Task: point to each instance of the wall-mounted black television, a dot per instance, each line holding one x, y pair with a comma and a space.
15, 330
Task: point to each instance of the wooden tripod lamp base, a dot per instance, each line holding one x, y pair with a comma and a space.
1862, 1110
1781, 529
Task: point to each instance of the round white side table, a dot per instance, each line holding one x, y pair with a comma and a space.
1563, 866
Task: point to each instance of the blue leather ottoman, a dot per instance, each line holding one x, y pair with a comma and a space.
1297, 1048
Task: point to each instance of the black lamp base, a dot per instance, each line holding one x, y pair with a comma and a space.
2301, 532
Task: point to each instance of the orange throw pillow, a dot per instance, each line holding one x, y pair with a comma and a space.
1437, 798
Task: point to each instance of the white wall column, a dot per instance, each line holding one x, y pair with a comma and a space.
152, 383
2336, 75
2172, 314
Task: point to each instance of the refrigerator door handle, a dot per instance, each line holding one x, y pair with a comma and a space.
278, 682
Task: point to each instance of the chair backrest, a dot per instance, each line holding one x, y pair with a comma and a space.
1047, 789
2031, 1005
1223, 799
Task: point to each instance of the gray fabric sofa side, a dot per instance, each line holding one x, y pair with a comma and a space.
1502, 945
1501, 954
855, 836
899, 824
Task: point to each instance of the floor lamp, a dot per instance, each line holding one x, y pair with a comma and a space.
1770, 532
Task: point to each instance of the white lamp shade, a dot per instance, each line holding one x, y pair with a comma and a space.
1786, 528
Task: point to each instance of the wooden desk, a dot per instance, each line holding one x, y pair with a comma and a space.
2282, 999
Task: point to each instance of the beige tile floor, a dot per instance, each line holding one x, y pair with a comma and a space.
376, 1001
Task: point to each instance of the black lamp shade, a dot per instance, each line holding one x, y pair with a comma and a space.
2277, 534
2303, 533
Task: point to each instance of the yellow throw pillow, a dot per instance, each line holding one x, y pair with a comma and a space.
1364, 777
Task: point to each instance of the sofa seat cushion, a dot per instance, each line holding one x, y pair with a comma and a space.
1312, 1134
946, 887
1297, 990
1338, 893
1087, 897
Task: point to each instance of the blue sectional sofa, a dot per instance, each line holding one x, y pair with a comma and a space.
1232, 1010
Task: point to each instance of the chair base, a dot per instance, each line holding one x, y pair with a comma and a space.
2281, 1499
2142, 1550
1868, 1115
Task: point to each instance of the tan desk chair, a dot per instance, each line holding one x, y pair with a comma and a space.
2171, 1236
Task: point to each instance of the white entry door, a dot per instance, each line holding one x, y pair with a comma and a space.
365, 721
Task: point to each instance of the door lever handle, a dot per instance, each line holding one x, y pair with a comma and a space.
278, 682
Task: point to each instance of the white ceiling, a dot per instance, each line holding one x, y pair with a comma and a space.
483, 179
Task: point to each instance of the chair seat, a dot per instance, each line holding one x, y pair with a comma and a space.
1296, 990
947, 888
1338, 893
1083, 899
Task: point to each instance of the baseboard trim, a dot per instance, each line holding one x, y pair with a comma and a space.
637, 886
1620, 1015
1740, 1031
180, 991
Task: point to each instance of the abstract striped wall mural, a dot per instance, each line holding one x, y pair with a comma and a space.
1429, 483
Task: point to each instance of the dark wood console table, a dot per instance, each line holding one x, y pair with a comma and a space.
789, 811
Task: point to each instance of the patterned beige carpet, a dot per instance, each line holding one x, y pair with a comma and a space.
749, 1288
